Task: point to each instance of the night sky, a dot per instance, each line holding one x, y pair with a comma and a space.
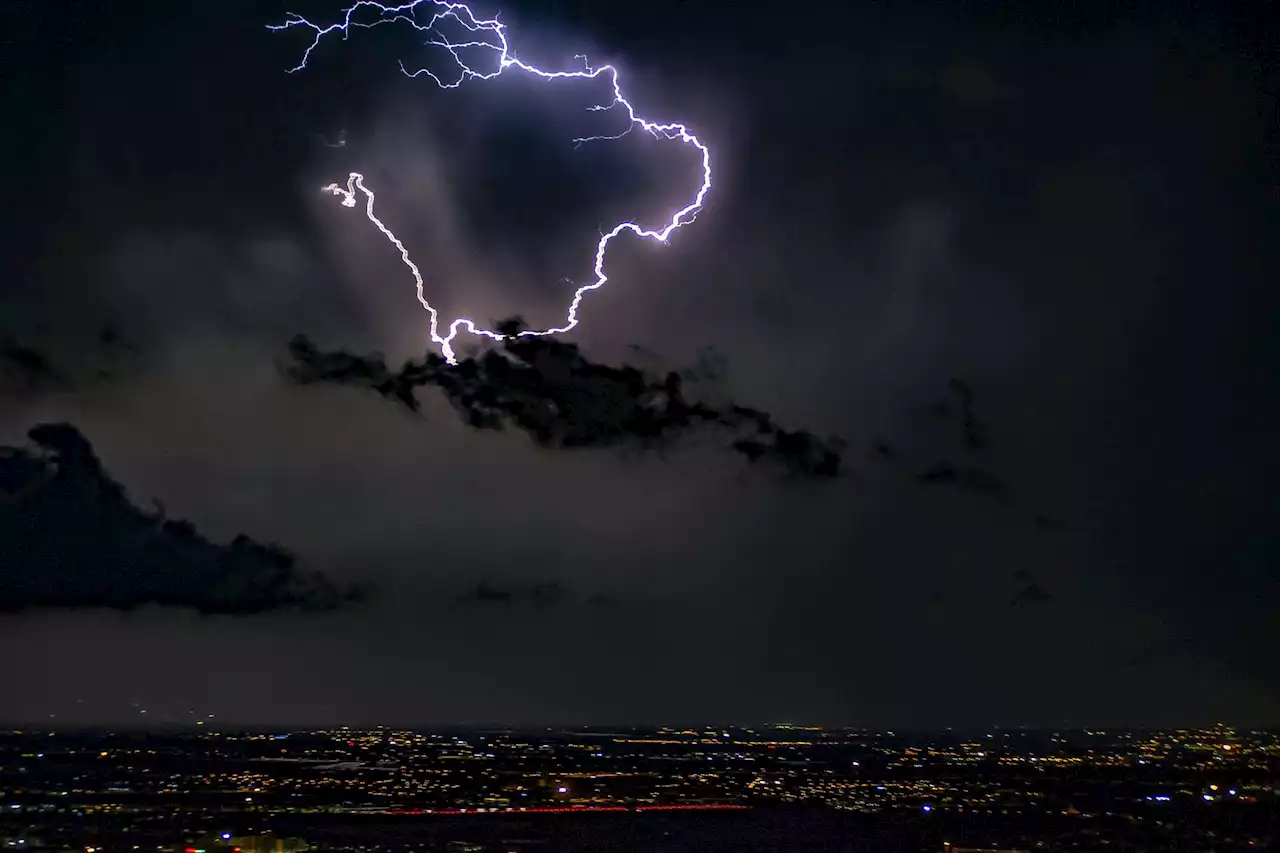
1015, 257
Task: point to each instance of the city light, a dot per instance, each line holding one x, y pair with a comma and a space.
223, 779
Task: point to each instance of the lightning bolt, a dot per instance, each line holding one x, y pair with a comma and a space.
490, 35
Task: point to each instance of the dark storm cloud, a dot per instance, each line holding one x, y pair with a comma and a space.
883, 449
1032, 593
24, 370
544, 594
973, 436
70, 538
549, 390
973, 432
1030, 590
116, 356
486, 594
28, 370
945, 472
970, 479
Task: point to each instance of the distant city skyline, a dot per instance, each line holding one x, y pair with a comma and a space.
352, 789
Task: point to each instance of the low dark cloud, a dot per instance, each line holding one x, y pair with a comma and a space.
544, 594
1032, 593
958, 408
30, 370
968, 478
974, 438
115, 355
25, 370
549, 390
1030, 590
883, 449
485, 593
947, 472
71, 538
973, 432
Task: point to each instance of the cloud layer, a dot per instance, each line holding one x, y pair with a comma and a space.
549, 390
70, 538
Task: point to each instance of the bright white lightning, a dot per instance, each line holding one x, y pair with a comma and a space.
491, 35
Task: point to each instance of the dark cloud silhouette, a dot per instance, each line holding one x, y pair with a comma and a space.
70, 538
974, 436
959, 406
970, 479
973, 431
486, 594
1030, 591
116, 355
549, 390
24, 370
543, 594
710, 365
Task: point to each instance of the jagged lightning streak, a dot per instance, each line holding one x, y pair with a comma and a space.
491, 35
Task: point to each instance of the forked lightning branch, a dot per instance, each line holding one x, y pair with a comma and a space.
431, 18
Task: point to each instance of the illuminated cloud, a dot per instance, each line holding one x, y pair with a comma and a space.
488, 36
